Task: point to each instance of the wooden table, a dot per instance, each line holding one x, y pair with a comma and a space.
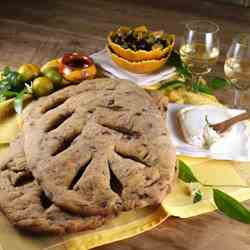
35, 31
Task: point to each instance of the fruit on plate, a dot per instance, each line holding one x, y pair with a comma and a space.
53, 74
140, 44
142, 67
51, 64
30, 80
29, 71
42, 86
76, 67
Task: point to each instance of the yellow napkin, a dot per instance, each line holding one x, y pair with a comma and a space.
179, 202
129, 224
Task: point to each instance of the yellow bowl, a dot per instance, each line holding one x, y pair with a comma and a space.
141, 55
142, 67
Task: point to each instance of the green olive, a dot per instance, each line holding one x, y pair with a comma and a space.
29, 71
53, 74
42, 86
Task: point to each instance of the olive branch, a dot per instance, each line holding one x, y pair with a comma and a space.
185, 78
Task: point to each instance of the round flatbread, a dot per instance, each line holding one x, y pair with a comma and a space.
26, 205
99, 147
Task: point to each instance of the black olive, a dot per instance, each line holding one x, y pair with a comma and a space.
142, 44
130, 45
130, 39
163, 43
118, 39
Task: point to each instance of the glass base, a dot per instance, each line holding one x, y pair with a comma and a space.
242, 99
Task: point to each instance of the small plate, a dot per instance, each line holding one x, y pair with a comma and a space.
227, 153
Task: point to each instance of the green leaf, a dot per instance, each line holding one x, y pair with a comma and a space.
200, 87
219, 83
205, 89
2, 98
172, 85
9, 94
14, 79
184, 71
231, 207
185, 173
12, 85
6, 70
175, 61
4, 86
19, 102
198, 196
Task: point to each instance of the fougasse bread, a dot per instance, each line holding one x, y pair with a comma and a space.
86, 153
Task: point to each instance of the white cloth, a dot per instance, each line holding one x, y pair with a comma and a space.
103, 59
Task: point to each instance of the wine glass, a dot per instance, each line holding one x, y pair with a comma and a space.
237, 67
200, 47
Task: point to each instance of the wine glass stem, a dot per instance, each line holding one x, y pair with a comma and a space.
195, 78
236, 98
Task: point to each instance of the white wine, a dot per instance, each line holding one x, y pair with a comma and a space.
238, 71
198, 57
